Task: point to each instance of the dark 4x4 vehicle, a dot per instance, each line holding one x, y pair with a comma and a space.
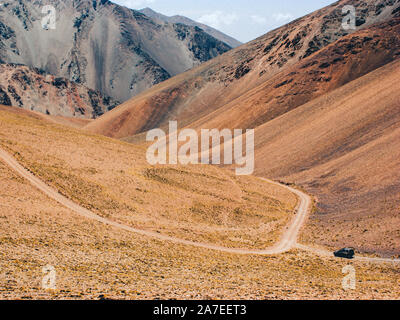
347, 253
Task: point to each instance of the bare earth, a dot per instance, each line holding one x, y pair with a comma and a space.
285, 244
325, 107
324, 103
93, 259
113, 179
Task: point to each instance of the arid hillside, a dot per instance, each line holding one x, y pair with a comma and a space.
344, 148
331, 67
32, 89
325, 106
94, 261
268, 76
106, 47
114, 180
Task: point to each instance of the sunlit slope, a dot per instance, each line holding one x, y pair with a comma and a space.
113, 179
344, 148
92, 260
333, 66
228, 80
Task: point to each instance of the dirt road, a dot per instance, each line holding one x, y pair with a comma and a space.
286, 243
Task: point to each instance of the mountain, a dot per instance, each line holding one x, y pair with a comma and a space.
189, 22
331, 67
264, 78
324, 103
32, 89
92, 211
112, 179
343, 148
106, 47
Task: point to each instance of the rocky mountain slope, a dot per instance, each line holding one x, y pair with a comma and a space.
106, 47
331, 67
325, 105
189, 22
255, 80
344, 149
32, 89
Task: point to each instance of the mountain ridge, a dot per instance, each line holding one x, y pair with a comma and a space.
187, 21
325, 109
208, 88
106, 47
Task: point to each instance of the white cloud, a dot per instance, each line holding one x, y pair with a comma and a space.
282, 17
134, 4
259, 19
218, 19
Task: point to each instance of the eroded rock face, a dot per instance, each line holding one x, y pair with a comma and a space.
32, 89
106, 47
257, 79
186, 21
4, 98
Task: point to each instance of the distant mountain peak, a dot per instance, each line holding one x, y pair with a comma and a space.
233, 43
147, 10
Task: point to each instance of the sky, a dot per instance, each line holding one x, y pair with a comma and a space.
244, 20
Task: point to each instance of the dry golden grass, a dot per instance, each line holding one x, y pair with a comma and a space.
92, 260
347, 157
111, 178
339, 142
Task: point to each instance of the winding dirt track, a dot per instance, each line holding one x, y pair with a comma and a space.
287, 242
